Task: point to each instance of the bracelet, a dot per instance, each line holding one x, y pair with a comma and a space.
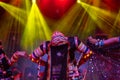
99, 43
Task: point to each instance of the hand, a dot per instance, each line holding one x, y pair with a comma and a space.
92, 40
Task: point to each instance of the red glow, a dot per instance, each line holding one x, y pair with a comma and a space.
61, 2
16, 2
113, 5
55, 9
4, 0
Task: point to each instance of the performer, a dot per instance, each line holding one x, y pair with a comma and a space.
56, 57
105, 65
5, 63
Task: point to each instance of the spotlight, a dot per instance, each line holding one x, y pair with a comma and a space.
33, 1
78, 1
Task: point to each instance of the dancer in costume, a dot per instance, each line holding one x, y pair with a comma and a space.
6, 63
56, 57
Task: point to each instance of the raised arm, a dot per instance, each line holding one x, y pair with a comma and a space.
16, 56
9, 62
111, 41
36, 54
104, 42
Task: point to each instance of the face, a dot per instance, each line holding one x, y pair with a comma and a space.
58, 38
57, 33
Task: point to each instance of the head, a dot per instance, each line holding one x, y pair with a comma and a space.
57, 33
58, 38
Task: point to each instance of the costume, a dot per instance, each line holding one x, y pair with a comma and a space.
60, 62
5, 64
5, 72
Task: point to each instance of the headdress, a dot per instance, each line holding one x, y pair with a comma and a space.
58, 38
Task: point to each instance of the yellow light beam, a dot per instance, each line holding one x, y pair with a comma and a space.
100, 16
27, 6
116, 25
36, 29
33, 1
78, 1
117, 20
74, 22
18, 13
65, 23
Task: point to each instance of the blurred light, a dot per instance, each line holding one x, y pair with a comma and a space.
100, 16
78, 1
33, 1
36, 29
16, 12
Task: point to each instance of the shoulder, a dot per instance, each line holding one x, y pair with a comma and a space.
72, 39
